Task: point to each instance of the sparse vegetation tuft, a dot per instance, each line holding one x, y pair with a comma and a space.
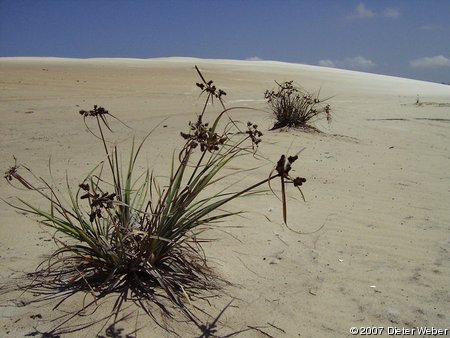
122, 232
294, 107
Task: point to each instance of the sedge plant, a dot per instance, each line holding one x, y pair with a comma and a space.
293, 106
122, 232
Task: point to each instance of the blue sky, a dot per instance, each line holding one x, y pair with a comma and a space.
408, 38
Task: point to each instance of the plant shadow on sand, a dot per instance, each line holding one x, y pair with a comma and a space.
124, 238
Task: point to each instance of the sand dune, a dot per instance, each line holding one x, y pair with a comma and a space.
378, 180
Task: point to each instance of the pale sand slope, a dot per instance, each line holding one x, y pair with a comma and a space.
379, 180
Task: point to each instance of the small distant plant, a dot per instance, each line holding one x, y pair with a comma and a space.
418, 103
124, 233
294, 107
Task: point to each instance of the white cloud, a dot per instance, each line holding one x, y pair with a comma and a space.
327, 63
357, 62
362, 12
434, 28
430, 27
430, 62
254, 58
391, 13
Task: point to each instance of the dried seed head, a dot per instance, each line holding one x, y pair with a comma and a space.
9, 174
254, 134
280, 165
97, 111
292, 159
298, 181
185, 136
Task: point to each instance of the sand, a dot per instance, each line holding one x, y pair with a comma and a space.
378, 180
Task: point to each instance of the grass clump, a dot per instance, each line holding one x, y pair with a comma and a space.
121, 232
294, 107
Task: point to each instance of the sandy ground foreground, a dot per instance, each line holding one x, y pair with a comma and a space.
378, 180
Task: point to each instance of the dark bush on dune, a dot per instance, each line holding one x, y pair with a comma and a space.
294, 107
